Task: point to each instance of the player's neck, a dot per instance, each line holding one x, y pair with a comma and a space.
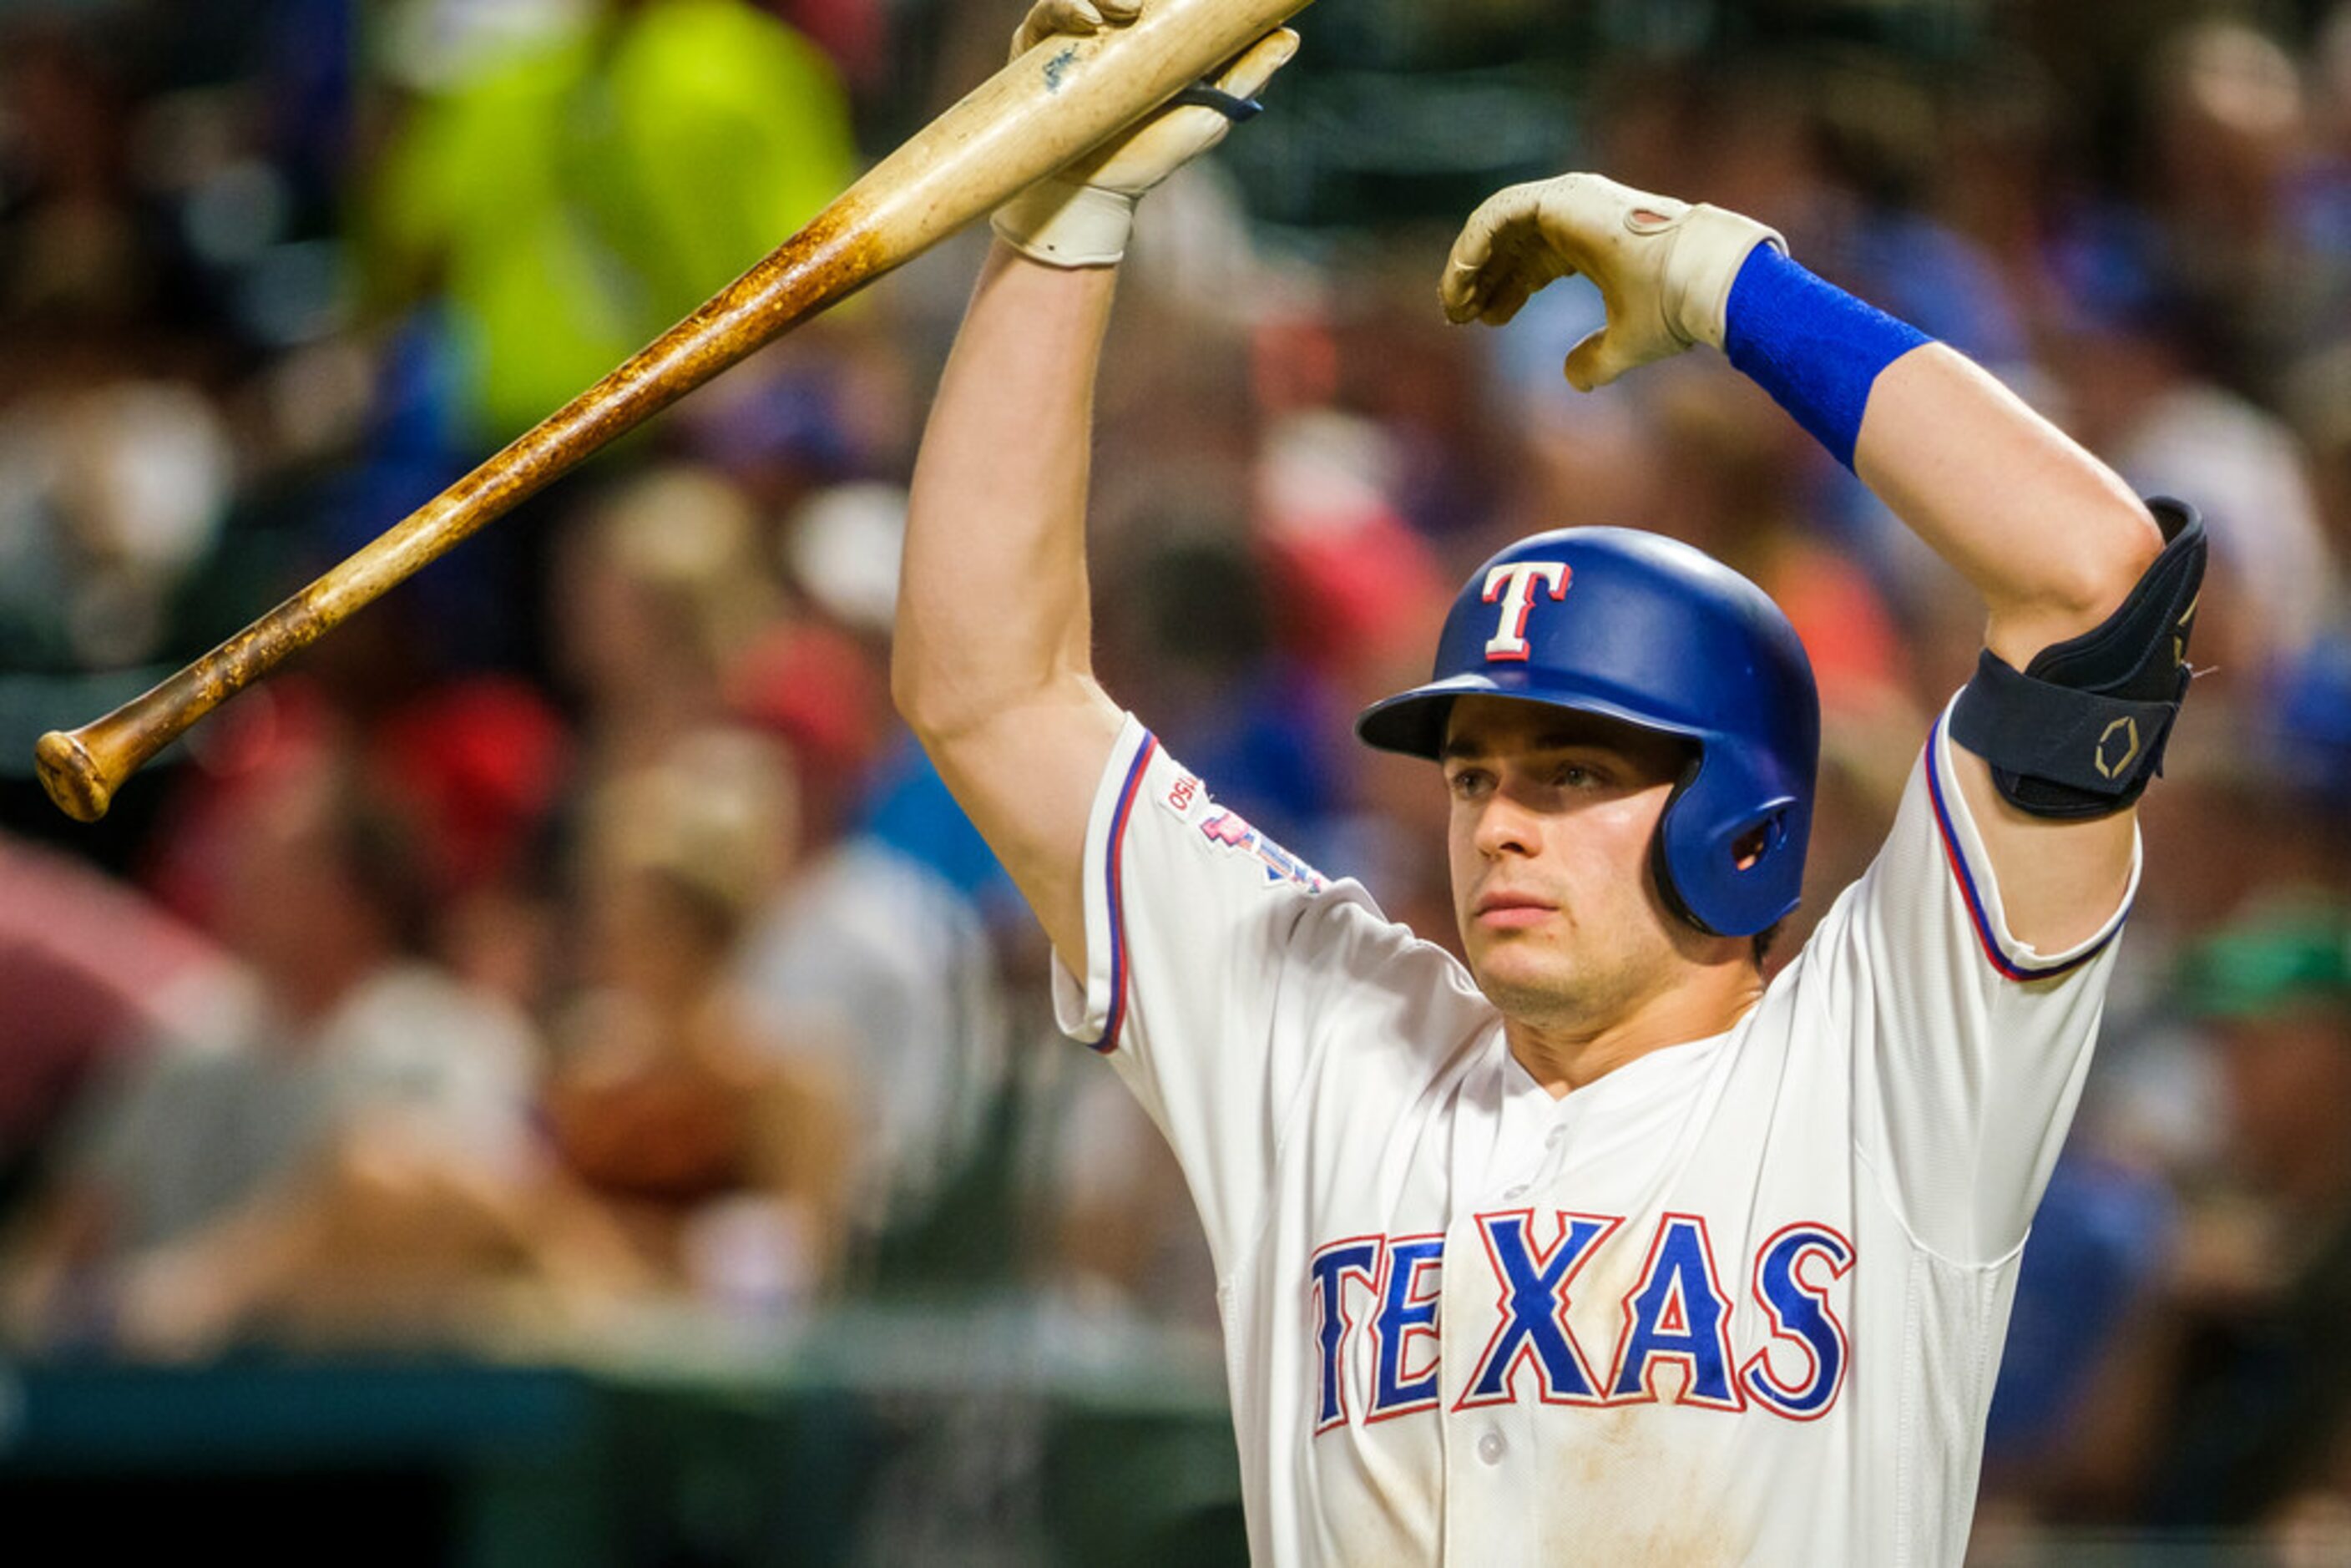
1564, 1055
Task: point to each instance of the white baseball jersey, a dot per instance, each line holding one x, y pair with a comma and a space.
1740, 1301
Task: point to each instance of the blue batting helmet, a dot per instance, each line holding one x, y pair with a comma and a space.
1645, 629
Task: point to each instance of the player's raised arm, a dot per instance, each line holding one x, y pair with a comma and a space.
2088, 596
992, 663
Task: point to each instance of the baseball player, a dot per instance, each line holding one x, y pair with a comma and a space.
1599, 1249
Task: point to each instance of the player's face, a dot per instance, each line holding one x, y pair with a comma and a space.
1552, 814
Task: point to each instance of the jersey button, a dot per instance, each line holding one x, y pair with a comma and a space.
1513, 1193
1492, 1448
1556, 1137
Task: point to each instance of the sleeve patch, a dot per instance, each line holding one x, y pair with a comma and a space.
1229, 831
1181, 796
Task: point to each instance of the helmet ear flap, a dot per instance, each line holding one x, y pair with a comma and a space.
1698, 845
1661, 862
1669, 893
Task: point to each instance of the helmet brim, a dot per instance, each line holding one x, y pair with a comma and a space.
1412, 723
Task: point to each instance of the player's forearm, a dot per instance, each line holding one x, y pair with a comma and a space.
2051, 536
992, 603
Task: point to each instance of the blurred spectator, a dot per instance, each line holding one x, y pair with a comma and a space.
111, 496
722, 1157
1199, 636
479, 763
1124, 1238
855, 33
2127, 358
580, 182
74, 246
2103, 1229
871, 968
1353, 576
2232, 1405
2229, 139
659, 590
343, 1149
872, 962
837, 404
90, 972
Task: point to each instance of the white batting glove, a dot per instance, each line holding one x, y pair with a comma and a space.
1664, 267
1082, 216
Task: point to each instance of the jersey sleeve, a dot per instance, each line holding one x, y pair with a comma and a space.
1217, 966
1970, 1046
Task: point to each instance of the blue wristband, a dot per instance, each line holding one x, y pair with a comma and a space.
1814, 347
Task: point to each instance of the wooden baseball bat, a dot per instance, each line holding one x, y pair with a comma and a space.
1050, 107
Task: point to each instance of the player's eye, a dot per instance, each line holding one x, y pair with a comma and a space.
1468, 783
1576, 776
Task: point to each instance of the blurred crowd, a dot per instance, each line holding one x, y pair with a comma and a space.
575, 942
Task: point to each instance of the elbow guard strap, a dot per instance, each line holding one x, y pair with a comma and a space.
2082, 730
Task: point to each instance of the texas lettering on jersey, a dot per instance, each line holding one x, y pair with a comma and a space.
1678, 1313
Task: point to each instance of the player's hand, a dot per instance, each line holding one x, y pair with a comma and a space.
1081, 216
1664, 267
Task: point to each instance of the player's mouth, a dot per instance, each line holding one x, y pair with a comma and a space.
1504, 911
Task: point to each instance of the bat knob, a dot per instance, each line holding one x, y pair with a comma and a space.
72, 778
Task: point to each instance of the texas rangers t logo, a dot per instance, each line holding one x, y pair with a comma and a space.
1514, 586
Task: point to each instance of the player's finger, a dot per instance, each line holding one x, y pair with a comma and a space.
1461, 292
1522, 266
1118, 12
1600, 359
1248, 75
1193, 127
1506, 296
1493, 235
1048, 17
1463, 285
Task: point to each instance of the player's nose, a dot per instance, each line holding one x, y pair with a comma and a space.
1505, 827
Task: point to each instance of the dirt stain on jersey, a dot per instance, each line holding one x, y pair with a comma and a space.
1626, 1456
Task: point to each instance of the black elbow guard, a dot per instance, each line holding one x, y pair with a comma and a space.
2082, 730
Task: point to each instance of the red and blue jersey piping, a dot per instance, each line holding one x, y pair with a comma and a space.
1976, 911
1114, 890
